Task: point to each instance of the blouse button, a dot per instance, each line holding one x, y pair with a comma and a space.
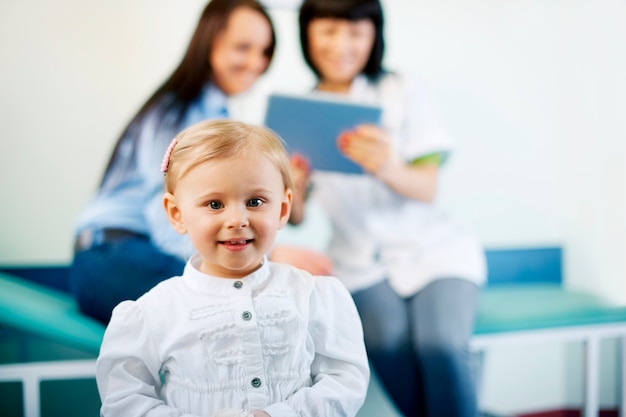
256, 382
238, 284
246, 315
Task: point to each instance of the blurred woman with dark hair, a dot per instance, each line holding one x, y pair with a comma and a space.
124, 243
414, 273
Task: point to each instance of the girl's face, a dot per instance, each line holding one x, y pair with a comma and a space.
239, 53
340, 49
232, 209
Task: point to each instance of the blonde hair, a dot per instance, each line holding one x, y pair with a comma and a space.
214, 139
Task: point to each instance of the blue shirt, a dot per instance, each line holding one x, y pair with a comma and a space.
131, 196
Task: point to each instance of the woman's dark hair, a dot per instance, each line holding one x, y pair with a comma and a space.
185, 84
345, 9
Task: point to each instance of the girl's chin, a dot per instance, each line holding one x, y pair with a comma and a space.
235, 270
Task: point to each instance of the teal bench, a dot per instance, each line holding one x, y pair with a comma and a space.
517, 314
52, 315
523, 303
48, 312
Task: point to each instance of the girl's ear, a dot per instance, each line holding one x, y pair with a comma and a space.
173, 213
285, 208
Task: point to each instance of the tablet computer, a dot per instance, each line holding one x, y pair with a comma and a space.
311, 124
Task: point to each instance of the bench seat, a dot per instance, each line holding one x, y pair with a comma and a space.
508, 313
518, 314
517, 307
47, 312
502, 309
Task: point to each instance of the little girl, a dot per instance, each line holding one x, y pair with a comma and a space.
235, 335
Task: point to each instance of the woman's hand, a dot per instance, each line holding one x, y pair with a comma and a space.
373, 149
368, 146
300, 173
315, 262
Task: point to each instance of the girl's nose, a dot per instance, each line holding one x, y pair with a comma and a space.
237, 217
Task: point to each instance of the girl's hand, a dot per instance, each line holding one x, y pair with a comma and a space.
300, 173
368, 146
259, 413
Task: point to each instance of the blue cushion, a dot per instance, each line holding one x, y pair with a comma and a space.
517, 307
47, 312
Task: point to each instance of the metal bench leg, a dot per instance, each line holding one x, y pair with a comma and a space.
31, 395
591, 377
31, 374
622, 377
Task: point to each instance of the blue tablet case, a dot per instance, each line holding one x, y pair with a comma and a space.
310, 125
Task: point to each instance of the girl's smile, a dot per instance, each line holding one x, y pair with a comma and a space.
236, 244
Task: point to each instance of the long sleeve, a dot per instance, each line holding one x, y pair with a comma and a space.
127, 369
340, 371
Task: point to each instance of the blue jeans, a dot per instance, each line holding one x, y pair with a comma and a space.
419, 346
106, 274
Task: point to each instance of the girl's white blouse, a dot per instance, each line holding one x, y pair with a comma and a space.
378, 234
279, 339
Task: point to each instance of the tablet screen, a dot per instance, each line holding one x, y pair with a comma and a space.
310, 125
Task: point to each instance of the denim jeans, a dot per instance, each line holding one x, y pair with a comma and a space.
106, 274
419, 346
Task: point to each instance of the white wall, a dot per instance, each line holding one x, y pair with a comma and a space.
71, 75
532, 91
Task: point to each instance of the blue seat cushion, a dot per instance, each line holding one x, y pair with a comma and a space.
516, 307
48, 312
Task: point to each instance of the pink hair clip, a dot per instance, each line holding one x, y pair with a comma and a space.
166, 158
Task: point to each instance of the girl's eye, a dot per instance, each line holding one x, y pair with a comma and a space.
215, 205
255, 202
